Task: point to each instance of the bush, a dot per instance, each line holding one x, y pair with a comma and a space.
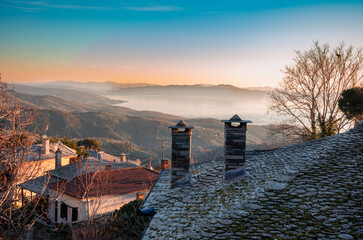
126, 224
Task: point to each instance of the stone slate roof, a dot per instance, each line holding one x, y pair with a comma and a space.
108, 157
85, 165
109, 182
53, 147
69, 172
39, 185
311, 190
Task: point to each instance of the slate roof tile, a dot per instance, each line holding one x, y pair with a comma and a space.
293, 192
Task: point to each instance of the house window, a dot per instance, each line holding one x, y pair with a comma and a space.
64, 210
74, 214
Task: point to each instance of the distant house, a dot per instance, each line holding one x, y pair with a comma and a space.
42, 158
39, 185
78, 186
111, 158
93, 194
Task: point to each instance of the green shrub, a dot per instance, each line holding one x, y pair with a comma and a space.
125, 222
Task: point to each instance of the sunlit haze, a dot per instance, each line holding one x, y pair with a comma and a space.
243, 43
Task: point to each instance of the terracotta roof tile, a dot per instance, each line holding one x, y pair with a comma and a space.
109, 182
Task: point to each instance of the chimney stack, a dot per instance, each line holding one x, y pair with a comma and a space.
235, 142
149, 165
123, 157
45, 148
58, 158
99, 156
140, 196
164, 163
181, 150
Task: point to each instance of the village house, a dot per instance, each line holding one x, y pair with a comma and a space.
42, 158
93, 194
65, 187
39, 186
111, 158
310, 190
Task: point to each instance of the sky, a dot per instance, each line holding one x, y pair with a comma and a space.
243, 43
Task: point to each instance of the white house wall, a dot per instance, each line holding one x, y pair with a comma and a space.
105, 205
111, 203
69, 200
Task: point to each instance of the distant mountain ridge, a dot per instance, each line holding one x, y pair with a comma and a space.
59, 104
68, 94
190, 90
102, 87
99, 87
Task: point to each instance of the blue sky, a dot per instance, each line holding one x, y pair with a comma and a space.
244, 43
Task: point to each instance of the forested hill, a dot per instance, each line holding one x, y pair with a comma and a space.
78, 114
56, 103
67, 94
143, 133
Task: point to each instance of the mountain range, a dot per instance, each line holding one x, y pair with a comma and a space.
80, 114
112, 87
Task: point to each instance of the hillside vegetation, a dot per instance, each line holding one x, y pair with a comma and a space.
79, 114
67, 94
143, 134
59, 104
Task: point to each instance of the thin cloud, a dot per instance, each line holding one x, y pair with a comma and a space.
25, 2
75, 7
61, 6
154, 8
24, 9
58, 6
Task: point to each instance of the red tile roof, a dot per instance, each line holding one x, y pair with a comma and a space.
108, 182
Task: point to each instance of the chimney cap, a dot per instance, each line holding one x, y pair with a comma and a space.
58, 150
236, 118
182, 124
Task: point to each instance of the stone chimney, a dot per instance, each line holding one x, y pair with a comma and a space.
181, 150
123, 157
58, 158
149, 164
235, 142
99, 156
164, 163
45, 148
140, 196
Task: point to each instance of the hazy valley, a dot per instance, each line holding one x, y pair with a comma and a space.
65, 110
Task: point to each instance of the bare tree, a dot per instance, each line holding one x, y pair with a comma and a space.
16, 215
93, 184
96, 188
307, 99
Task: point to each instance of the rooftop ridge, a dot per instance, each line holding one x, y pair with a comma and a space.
214, 205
